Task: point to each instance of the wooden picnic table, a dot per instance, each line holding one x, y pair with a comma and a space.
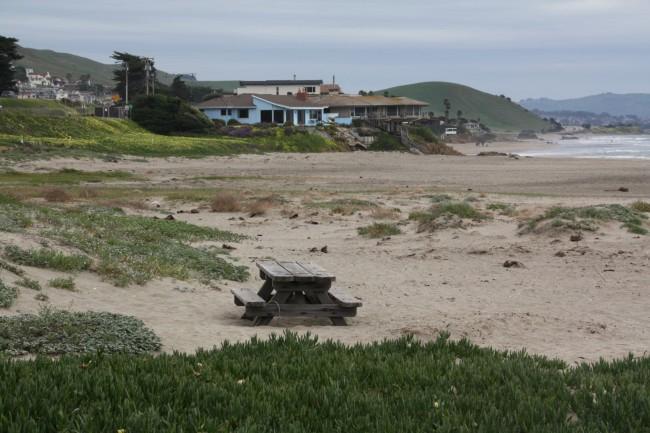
295, 289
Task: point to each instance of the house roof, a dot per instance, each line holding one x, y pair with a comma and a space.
228, 101
246, 101
281, 82
366, 101
292, 101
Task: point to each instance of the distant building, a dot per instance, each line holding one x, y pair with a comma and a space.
264, 108
279, 87
330, 89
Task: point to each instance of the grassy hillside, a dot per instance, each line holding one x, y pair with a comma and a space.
48, 126
496, 112
59, 64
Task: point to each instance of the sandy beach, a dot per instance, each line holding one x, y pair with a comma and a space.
578, 301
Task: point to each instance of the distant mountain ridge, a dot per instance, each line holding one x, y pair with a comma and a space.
637, 104
60, 64
494, 111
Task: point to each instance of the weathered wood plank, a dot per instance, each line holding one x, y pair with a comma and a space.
341, 297
298, 310
317, 271
299, 273
247, 297
273, 270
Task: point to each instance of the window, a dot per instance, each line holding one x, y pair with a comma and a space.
310, 89
224, 112
313, 114
289, 93
243, 113
229, 112
278, 116
277, 90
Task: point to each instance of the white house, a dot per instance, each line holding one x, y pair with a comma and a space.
252, 109
279, 87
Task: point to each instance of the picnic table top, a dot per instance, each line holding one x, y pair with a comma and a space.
294, 271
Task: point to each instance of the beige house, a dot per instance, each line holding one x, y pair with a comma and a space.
343, 109
279, 87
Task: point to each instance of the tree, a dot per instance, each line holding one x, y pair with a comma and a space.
447, 104
137, 75
180, 89
459, 114
167, 114
363, 93
8, 54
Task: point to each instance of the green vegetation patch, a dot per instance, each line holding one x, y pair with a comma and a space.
641, 206
274, 386
447, 214
54, 332
502, 208
25, 135
28, 283
343, 206
65, 283
48, 259
63, 176
379, 230
8, 295
586, 218
127, 249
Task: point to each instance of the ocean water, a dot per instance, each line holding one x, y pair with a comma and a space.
598, 146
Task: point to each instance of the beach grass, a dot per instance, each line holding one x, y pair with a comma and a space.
588, 218
379, 230
124, 249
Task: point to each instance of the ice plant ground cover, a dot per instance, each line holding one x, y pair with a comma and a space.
296, 384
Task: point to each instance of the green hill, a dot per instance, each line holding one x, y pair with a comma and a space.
494, 111
60, 64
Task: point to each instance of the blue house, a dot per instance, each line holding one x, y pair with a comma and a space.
252, 109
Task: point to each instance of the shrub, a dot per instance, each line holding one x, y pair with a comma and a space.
422, 133
7, 297
167, 114
379, 230
62, 283
233, 122
382, 213
46, 258
28, 283
55, 332
225, 202
56, 195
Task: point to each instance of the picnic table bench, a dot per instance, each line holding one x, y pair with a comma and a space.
295, 289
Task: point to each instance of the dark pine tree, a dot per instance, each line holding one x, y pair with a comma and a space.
8, 54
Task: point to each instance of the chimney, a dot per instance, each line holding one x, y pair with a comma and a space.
301, 95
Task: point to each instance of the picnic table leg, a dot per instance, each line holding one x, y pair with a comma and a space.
266, 290
279, 299
324, 298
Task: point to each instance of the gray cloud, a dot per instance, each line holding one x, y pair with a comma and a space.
556, 48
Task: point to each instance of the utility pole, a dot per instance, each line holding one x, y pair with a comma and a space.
147, 71
126, 87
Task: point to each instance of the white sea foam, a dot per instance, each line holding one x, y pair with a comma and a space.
598, 146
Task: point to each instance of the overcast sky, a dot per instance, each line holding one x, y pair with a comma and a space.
521, 48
